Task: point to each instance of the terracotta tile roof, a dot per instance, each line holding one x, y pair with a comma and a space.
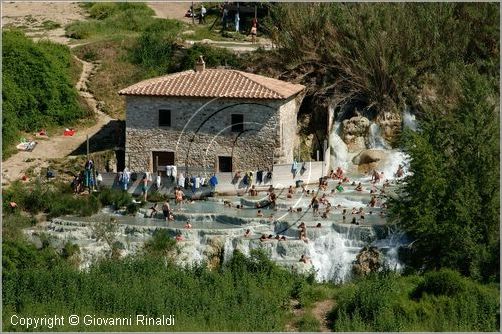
215, 83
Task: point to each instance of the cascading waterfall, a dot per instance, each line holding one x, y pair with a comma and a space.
394, 159
375, 139
409, 120
228, 249
338, 148
332, 255
390, 248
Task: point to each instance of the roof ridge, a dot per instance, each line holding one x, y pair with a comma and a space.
273, 91
154, 80
214, 82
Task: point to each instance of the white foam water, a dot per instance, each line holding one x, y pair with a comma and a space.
409, 120
332, 256
375, 139
338, 148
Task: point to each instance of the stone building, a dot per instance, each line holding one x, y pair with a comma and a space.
220, 119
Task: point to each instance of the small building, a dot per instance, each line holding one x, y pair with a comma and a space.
220, 119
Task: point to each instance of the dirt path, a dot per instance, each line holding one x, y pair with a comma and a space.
172, 10
31, 15
320, 312
42, 19
57, 146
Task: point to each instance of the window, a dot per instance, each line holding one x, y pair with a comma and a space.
224, 164
164, 117
237, 123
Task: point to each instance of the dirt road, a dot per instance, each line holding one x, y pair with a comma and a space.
172, 10
36, 17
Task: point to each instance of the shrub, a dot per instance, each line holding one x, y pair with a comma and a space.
161, 243
101, 11
112, 18
37, 87
213, 57
114, 197
444, 282
200, 300
69, 250
308, 323
362, 307
154, 48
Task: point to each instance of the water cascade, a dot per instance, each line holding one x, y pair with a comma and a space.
375, 139
409, 120
332, 255
337, 147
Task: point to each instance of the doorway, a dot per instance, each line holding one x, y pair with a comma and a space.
224, 164
162, 159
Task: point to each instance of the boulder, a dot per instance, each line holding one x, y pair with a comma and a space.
356, 126
368, 260
390, 124
214, 251
355, 144
368, 168
353, 132
369, 157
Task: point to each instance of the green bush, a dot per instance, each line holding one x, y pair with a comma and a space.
213, 57
103, 10
161, 243
310, 293
255, 299
116, 198
112, 18
388, 303
444, 282
54, 199
69, 250
37, 88
155, 47
308, 323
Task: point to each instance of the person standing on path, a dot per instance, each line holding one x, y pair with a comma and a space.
237, 20
166, 210
144, 187
253, 34
203, 11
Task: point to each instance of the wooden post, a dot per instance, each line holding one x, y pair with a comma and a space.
157, 163
255, 13
87, 140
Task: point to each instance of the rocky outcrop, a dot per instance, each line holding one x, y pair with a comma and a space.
369, 156
369, 160
214, 251
368, 260
354, 132
390, 125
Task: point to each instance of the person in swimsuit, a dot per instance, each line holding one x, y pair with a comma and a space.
144, 187
154, 210
166, 210
315, 204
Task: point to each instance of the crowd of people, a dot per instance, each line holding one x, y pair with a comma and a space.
318, 204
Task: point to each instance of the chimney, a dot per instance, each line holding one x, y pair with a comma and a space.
200, 66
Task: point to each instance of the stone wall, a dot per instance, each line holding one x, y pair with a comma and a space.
200, 131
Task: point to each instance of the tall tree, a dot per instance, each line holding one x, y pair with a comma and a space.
450, 203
